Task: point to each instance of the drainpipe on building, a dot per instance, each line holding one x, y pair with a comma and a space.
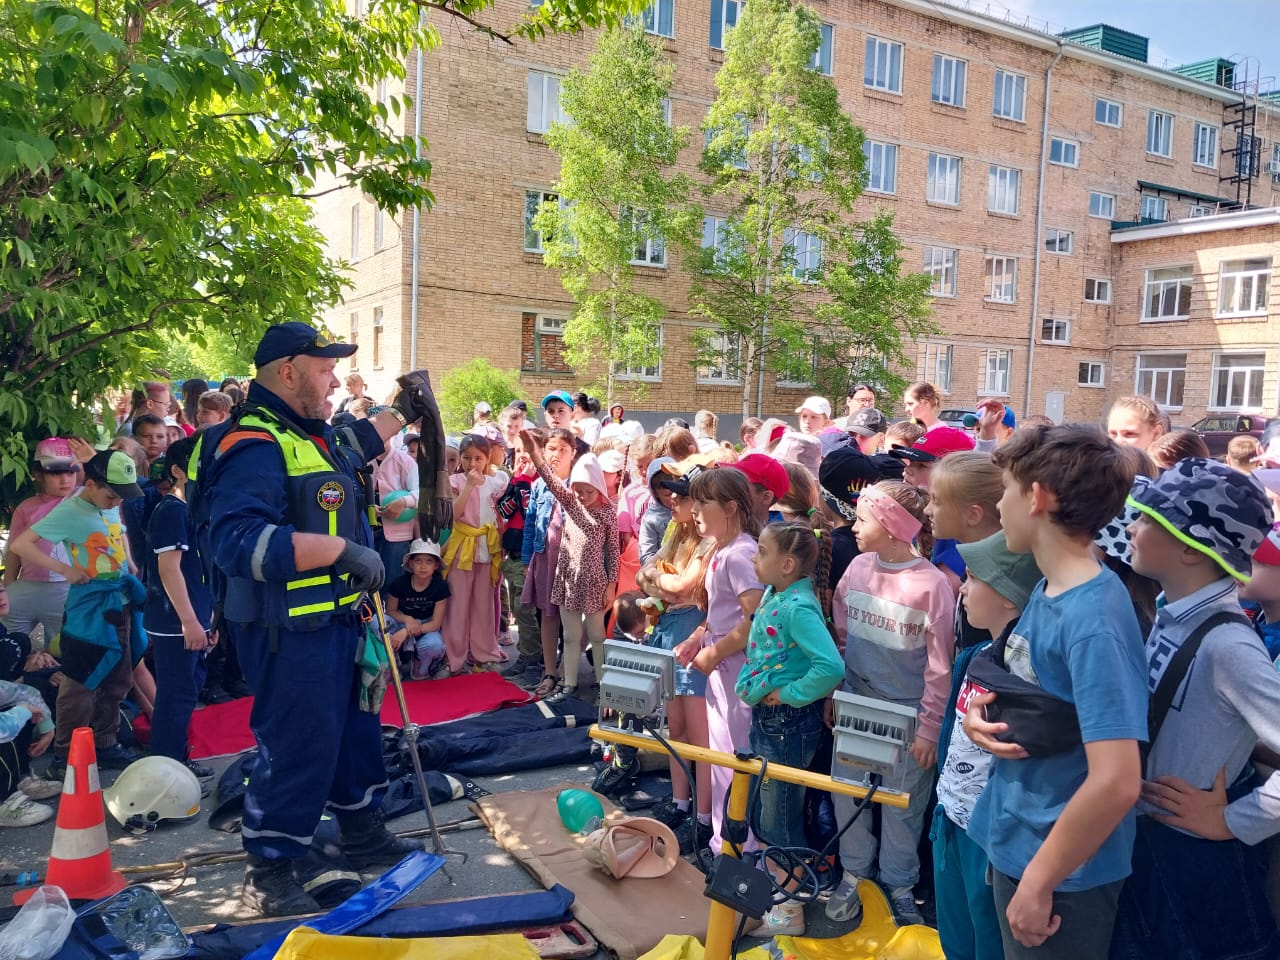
1039, 241
417, 209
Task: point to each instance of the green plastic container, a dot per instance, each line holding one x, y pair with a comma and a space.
577, 807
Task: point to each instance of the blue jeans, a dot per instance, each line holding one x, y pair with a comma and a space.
427, 649
786, 735
179, 677
967, 923
672, 629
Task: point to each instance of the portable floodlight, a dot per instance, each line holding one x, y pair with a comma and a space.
637, 681
871, 737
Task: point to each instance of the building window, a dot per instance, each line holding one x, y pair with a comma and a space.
1167, 294
1092, 374
1248, 155
1200, 210
377, 338
379, 228
354, 340
715, 236
1097, 290
882, 166
1162, 377
805, 251
649, 250
542, 343
1107, 112
722, 355
1204, 146
650, 374
949, 75
1003, 187
659, 18
940, 264
1010, 100
799, 373
1242, 287
1055, 331
380, 91
1064, 153
724, 14
937, 365
1059, 241
1237, 381
1160, 133
544, 102
823, 55
533, 200
734, 155
883, 69
944, 179
1102, 206
995, 372
355, 232
1002, 279
1155, 208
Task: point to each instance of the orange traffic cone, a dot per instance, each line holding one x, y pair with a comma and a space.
80, 862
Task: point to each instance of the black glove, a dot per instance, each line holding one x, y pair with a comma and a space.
416, 401
363, 565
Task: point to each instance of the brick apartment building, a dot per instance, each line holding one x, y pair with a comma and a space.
1028, 173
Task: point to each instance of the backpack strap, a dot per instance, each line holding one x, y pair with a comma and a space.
1162, 698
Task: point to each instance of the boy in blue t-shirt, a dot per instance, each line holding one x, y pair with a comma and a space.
1059, 829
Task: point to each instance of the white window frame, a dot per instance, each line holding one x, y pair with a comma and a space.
1200, 210
1251, 380
1106, 106
544, 89
997, 368
813, 373
1168, 369
1059, 329
1241, 285
1106, 201
1099, 284
730, 10
653, 17
887, 166
1059, 241
1159, 133
950, 80
728, 370
543, 196
882, 68
379, 228
807, 250
1085, 371
379, 361
1001, 273
714, 229
354, 339
355, 232
824, 56
545, 326
1154, 208
643, 374
739, 161
943, 183
1002, 183
1068, 152
1204, 145
1009, 96
940, 264
939, 364
1164, 286
650, 251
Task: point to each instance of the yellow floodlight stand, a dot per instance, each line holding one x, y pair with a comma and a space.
720, 920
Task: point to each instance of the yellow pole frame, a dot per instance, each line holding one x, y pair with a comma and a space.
720, 919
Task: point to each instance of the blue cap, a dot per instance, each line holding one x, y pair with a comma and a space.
971, 420
561, 395
296, 338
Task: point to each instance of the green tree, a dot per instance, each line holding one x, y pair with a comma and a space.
156, 158
793, 283
618, 204
465, 386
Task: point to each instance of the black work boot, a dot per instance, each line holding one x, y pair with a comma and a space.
620, 772
271, 889
367, 843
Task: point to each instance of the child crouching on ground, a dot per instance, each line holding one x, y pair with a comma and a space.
419, 599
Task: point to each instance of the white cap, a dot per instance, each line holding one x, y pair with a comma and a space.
422, 547
816, 405
171, 421
611, 461
483, 407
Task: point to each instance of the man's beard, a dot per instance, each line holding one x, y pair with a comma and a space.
311, 402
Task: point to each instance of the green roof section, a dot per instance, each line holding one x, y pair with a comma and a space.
1102, 36
1219, 72
1183, 192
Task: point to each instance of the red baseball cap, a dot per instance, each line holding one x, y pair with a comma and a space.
1268, 551
935, 445
763, 469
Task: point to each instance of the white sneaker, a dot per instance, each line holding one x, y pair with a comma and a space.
21, 811
783, 920
38, 788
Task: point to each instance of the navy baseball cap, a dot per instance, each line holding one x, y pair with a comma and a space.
296, 338
561, 395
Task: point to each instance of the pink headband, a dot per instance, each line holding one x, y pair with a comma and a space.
891, 515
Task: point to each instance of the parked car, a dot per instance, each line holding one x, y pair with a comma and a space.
1217, 430
953, 417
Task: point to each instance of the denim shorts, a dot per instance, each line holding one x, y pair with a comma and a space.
790, 736
674, 627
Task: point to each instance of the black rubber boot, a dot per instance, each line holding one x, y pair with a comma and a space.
271, 889
367, 843
619, 774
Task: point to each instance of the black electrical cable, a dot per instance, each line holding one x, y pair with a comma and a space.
701, 853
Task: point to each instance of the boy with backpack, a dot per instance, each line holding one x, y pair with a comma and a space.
1056, 819
1198, 887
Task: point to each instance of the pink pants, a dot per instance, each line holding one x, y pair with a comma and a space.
469, 627
728, 729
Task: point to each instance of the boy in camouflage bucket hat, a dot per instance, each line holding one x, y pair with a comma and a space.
1197, 886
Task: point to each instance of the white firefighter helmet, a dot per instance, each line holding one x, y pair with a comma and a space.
153, 789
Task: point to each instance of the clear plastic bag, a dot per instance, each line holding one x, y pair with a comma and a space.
139, 919
40, 928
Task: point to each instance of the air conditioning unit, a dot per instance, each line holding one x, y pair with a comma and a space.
1274, 167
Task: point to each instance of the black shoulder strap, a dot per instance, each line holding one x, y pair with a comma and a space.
1167, 688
